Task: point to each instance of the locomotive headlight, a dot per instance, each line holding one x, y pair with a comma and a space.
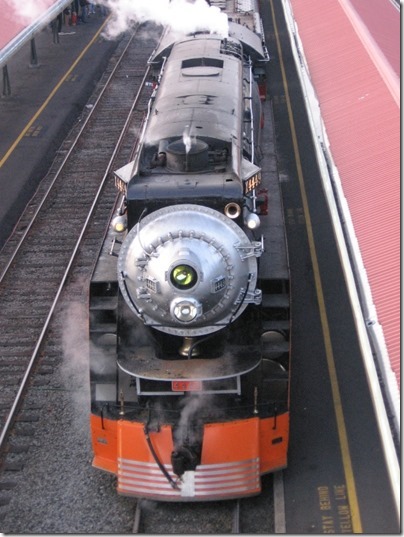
183, 277
185, 311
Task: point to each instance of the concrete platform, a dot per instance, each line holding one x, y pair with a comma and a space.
45, 102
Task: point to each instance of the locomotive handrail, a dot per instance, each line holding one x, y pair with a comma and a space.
250, 97
146, 118
252, 111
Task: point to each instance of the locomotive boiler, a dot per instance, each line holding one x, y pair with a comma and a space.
189, 310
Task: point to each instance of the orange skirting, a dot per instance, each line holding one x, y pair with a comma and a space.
234, 455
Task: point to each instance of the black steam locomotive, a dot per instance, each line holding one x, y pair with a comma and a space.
189, 319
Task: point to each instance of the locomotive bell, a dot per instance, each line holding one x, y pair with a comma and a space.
188, 270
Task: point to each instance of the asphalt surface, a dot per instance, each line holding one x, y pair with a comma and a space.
337, 479
45, 101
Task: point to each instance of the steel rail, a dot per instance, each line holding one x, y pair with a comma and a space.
65, 160
137, 519
236, 517
24, 382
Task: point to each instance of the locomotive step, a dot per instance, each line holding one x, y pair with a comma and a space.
103, 303
277, 347
275, 301
103, 328
276, 325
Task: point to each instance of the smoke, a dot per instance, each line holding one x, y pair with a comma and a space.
182, 16
28, 10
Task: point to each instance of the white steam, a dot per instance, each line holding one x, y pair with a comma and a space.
187, 140
75, 367
192, 406
182, 16
27, 11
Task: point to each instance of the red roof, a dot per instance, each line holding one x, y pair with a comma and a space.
352, 48
383, 23
16, 16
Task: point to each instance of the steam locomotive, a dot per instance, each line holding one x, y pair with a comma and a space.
189, 299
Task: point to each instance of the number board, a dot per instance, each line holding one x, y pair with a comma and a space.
186, 385
252, 183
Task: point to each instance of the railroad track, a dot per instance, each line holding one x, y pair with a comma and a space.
226, 517
62, 227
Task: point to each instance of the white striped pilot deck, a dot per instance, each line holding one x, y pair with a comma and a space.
207, 482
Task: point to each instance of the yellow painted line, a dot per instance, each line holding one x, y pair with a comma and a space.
342, 433
50, 96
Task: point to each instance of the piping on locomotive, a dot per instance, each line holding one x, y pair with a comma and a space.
189, 312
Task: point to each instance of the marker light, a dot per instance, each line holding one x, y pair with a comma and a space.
252, 221
119, 223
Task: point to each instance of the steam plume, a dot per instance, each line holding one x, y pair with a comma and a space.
74, 369
187, 140
182, 16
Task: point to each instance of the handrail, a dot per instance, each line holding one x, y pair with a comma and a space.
31, 30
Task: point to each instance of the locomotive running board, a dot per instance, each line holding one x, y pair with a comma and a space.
238, 360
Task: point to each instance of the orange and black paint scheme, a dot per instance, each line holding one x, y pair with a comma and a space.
206, 446
189, 312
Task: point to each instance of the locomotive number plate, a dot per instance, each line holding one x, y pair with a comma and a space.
186, 385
